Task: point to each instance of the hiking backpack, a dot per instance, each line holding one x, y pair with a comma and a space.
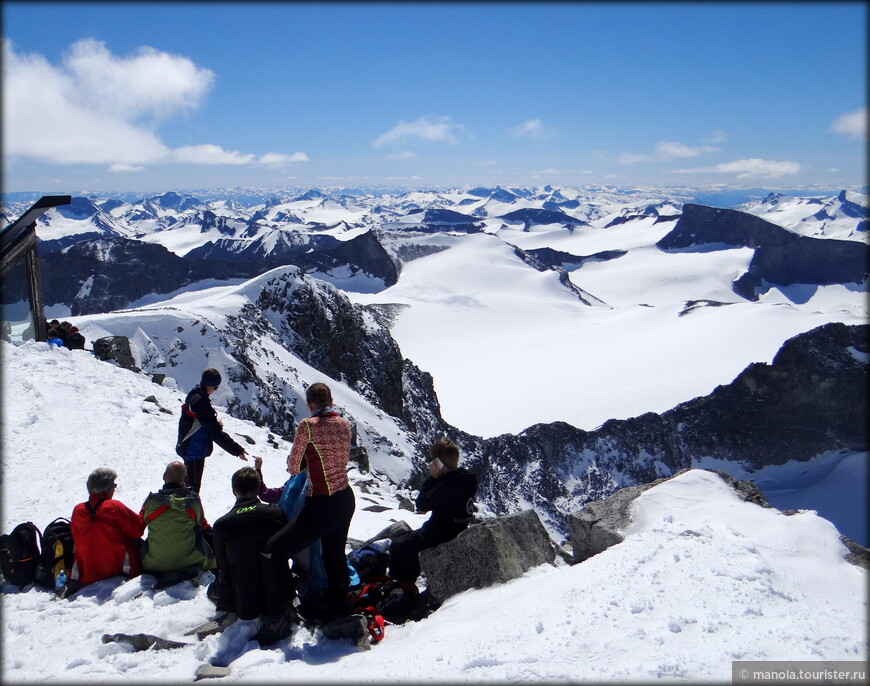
391, 600
57, 552
19, 554
370, 563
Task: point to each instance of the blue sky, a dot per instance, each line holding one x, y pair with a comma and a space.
142, 96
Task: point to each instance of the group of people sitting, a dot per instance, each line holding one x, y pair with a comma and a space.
64, 335
250, 547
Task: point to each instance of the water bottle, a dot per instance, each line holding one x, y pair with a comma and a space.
60, 581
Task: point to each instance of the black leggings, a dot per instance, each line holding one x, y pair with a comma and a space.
324, 517
194, 473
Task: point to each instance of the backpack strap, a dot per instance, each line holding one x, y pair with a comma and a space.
160, 510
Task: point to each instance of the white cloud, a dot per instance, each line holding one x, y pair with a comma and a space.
852, 124
209, 154
148, 83
98, 108
125, 168
425, 128
533, 129
277, 159
718, 136
749, 168
666, 150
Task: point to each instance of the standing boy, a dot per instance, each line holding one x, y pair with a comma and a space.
199, 429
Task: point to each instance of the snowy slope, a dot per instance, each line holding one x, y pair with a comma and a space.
509, 347
702, 578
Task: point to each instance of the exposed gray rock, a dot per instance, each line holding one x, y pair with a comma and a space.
207, 671
494, 551
600, 524
858, 555
745, 490
116, 348
143, 641
360, 457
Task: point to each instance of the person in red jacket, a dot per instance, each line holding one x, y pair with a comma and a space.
106, 533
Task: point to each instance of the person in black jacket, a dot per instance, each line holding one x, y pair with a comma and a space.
244, 585
199, 429
448, 493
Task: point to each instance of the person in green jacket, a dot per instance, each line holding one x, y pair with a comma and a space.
177, 528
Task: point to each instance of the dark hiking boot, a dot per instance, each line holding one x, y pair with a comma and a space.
275, 627
167, 579
353, 627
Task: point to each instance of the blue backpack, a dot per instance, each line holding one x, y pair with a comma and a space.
291, 503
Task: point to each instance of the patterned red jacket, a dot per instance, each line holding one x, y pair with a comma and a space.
106, 542
323, 443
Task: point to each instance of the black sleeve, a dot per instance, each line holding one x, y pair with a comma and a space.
426, 498
451, 492
201, 407
224, 586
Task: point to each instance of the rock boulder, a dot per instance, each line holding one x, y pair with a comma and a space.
494, 551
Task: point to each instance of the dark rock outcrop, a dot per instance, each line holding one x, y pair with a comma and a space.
600, 524
144, 641
115, 349
106, 274
558, 259
309, 252
781, 257
347, 342
491, 552
531, 216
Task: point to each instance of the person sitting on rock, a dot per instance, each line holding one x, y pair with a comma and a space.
245, 586
177, 547
106, 533
448, 493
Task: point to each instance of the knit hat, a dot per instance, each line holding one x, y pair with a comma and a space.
210, 377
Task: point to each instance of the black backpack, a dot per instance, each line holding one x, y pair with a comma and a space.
393, 600
57, 552
19, 554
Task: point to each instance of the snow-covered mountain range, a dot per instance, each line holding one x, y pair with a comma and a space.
499, 316
572, 341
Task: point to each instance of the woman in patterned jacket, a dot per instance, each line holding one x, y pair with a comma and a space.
322, 445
